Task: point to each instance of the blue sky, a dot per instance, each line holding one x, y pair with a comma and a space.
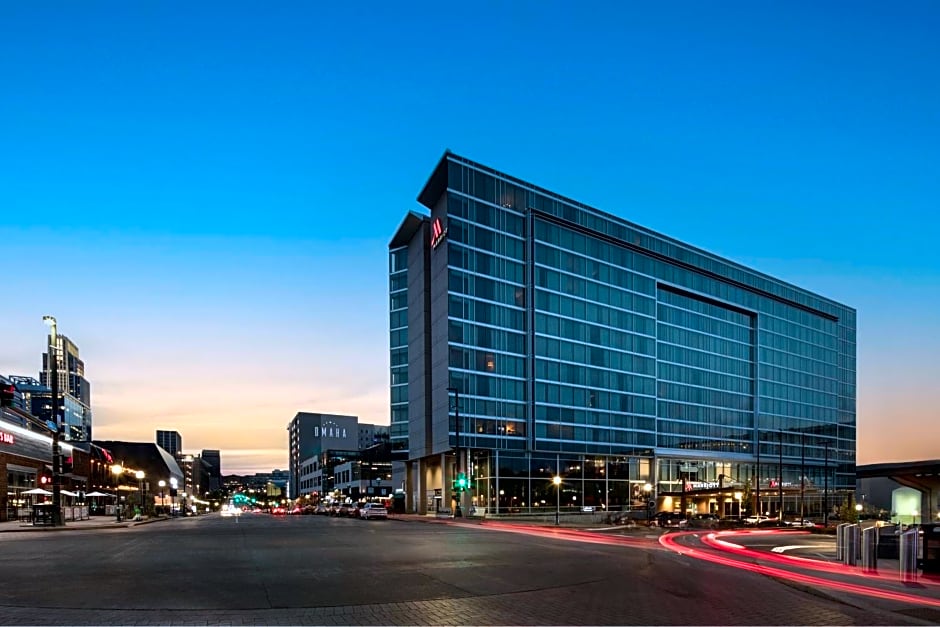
203, 195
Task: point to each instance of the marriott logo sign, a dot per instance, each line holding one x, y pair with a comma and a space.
438, 232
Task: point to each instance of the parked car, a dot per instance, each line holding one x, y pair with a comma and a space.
321, 509
669, 519
802, 523
730, 522
373, 510
756, 519
346, 509
704, 521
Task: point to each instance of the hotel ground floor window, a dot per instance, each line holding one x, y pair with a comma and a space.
16, 505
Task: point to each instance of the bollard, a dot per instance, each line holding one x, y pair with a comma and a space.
840, 541
850, 548
909, 556
870, 549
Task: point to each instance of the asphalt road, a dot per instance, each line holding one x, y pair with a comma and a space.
259, 569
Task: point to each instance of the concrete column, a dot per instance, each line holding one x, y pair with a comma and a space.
410, 505
447, 479
421, 486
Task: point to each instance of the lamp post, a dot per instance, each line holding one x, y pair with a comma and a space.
117, 470
140, 489
162, 485
53, 358
647, 488
557, 481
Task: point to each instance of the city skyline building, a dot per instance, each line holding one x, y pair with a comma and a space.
318, 442
74, 390
170, 441
370, 434
213, 458
573, 343
310, 434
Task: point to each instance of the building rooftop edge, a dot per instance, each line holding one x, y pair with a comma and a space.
437, 183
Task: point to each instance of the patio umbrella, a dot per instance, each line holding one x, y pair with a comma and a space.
96, 493
37, 491
67, 493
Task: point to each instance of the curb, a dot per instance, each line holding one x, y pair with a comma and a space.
88, 527
32, 529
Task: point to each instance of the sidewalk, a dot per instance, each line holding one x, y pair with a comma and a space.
94, 522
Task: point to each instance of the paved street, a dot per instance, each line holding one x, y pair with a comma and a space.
259, 569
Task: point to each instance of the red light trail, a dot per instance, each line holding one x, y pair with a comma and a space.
670, 541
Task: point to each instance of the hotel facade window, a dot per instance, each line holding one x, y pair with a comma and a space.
572, 342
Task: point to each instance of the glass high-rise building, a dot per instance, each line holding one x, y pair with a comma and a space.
73, 388
170, 441
638, 368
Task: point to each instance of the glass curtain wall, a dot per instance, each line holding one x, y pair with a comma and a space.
398, 346
743, 356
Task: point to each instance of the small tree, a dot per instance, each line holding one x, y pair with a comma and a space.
847, 512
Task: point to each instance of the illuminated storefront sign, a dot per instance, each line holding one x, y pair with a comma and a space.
7, 438
702, 485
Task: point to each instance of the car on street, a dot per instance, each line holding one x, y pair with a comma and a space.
756, 519
704, 521
669, 519
802, 523
373, 510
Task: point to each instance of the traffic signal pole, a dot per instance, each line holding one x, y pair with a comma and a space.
458, 490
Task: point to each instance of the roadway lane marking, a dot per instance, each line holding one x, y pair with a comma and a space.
781, 549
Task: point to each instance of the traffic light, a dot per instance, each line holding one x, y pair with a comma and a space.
67, 464
461, 483
7, 392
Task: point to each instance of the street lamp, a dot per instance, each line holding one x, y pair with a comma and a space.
117, 470
140, 489
52, 356
557, 481
162, 485
647, 488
